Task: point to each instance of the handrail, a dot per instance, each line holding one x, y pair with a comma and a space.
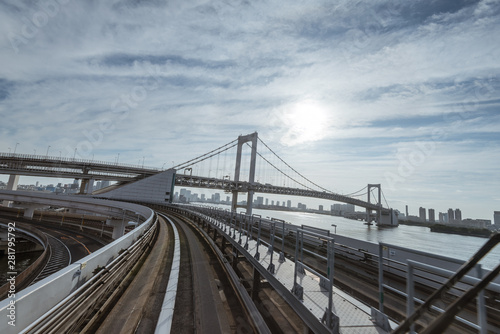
444, 320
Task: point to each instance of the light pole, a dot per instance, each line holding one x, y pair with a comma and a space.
34, 151
47, 154
117, 158
143, 157
9, 150
74, 154
15, 148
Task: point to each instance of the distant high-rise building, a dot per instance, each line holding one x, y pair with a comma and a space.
422, 215
267, 201
432, 216
277, 203
407, 211
289, 203
349, 207
321, 208
441, 217
496, 218
451, 216
458, 216
260, 200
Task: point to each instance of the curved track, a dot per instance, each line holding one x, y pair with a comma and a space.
59, 258
200, 305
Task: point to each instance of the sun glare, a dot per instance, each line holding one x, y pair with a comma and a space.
306, 121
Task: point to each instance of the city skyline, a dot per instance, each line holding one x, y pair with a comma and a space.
397, 93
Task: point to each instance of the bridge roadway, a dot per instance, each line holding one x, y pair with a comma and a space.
243, 186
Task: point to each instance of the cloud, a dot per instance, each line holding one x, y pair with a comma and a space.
172, 80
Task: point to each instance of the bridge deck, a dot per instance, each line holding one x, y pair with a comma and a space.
354, 316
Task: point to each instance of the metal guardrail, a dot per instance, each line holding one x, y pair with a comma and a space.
442, 322
326, 282
223, 221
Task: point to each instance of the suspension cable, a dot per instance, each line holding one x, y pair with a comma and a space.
305, 178
360, 190
272, 165
206, 155
385, 199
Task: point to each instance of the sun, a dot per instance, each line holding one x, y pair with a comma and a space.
306, 121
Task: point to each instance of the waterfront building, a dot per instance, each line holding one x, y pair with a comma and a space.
496, 218
432, 216
458, 216
421, 214
451, 216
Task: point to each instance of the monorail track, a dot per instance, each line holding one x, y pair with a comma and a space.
357, 273
209, 302
59, 258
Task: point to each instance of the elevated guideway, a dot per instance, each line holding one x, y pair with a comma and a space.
35, 302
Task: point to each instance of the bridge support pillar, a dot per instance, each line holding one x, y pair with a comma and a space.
11, 185
251, 177
378, 203
118, 228
30, 210
84, 186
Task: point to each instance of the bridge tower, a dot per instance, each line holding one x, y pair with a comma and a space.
251, 177
378, 203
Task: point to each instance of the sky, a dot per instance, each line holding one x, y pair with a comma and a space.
401, 93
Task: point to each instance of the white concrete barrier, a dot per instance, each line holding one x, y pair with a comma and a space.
22, 308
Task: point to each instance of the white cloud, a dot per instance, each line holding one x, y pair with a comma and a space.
204, 72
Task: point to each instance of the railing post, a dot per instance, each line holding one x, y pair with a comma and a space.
297, 290
482, 320
410, 301
257, 254
270, 250
381, 277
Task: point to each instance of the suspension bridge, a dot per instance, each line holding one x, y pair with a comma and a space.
264, 171
251, 171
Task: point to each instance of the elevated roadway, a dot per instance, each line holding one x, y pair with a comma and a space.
48, 166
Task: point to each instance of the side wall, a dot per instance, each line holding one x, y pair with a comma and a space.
154, 189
